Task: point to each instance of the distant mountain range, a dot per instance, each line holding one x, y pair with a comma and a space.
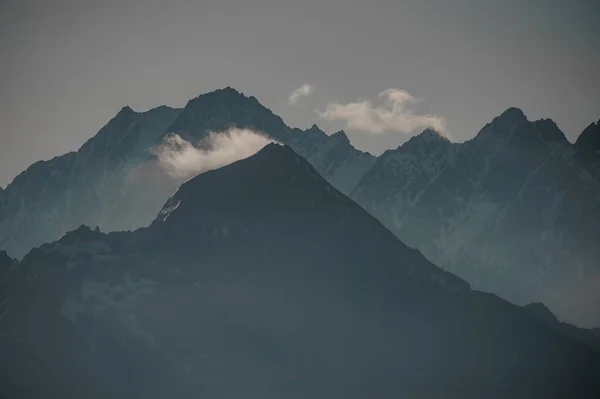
100, 184
513, 211
261, 280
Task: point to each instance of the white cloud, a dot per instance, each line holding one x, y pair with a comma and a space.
302, 91
393, 116
183, 160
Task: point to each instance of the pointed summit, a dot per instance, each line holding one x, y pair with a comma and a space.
230, 91
432, 135
508, 120
278, 152
223, 109
589, 139
341, 135
512, 114
502, 126
426, 141
313, 133
227, 95
314, 128
225, 92
126, 110
549, 131
274, 177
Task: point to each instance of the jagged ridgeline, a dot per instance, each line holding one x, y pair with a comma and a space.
261, 280
106, 182
513, 210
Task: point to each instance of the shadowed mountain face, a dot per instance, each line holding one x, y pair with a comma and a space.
590, 337
588, 147
93, 186
260, 280
513, 211
7, 265
113, 181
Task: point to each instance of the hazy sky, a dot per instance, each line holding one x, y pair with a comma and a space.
67, 66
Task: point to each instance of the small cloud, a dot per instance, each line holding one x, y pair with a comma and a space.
393, 116
302, 91
182, 160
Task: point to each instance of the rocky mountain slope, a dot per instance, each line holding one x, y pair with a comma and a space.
590, 337
587, 147
111, 182
513, 211
92, 186
261, 280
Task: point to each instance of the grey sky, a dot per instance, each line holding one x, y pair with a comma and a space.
67, 66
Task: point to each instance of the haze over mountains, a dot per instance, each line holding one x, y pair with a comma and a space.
113, 181
512, 211
260, 280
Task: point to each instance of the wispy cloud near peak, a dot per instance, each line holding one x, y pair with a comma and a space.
302, 91
393, 116
182, 160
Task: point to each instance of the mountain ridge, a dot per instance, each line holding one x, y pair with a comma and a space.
515, 178
514, 171
299, 293
104, 179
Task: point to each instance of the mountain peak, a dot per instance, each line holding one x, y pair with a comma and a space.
314, 132
513, 114
274, 149
272, 156
589, 139
508, 120
223, 95
549, 131
223, 109
341, 135
226, 91
126, 110
426, 140
229, 89
275, 175
430, 135
314, 128
505, 124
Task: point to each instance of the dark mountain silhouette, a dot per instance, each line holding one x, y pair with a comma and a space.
92, 186
589, 140
513, 211
261, 280
588, 148
7, 264
111, 181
